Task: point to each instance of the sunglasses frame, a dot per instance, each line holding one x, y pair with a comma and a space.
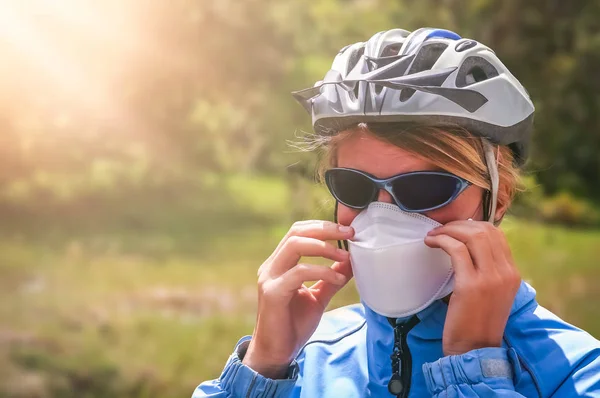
386, 185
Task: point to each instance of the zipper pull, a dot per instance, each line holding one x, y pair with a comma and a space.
399, 384
395, 385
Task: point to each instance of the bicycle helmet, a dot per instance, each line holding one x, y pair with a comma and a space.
428, 76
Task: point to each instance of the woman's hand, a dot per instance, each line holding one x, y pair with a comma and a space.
288, 311
486, 282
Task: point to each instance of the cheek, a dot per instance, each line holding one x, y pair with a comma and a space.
346, 215
467, 205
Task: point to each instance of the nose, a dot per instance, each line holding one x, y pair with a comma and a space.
384, 196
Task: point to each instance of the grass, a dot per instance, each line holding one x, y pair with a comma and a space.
153, 307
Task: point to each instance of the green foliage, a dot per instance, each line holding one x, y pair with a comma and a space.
564, 208
527, 201
67, 378
123, 309
217, 98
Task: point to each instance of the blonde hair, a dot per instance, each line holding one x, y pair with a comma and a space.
452, 148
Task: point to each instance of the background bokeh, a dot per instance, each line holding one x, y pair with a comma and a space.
145, 172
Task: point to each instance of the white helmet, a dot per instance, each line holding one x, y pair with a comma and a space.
429, 76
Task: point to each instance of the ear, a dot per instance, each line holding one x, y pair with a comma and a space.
500, 212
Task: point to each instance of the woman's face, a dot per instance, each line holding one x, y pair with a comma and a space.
366, 153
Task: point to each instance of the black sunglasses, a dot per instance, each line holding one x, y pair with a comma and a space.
417, 192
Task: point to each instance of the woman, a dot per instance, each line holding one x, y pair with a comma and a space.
423, 134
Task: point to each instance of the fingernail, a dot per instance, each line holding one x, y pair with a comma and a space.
345, 229
340, 277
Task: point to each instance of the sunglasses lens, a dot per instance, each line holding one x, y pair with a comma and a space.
425, 191
350, 188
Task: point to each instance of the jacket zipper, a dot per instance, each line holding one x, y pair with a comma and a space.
399, 384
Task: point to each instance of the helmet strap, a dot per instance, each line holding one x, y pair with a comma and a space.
485, 200
490, 203
342, 244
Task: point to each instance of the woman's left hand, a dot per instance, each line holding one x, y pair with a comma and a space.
486, 282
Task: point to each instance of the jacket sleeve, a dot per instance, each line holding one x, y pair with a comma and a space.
584, 379
487, 372
239, 381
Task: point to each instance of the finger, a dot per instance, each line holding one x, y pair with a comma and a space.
506, 265
459, 255
502, 245
498, 246
476, 236
316, 229
324, 291
301, 273
296, 247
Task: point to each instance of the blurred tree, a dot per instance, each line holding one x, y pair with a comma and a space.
166, 90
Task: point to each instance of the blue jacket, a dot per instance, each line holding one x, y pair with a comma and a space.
349, 356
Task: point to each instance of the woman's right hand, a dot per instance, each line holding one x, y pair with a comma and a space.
288, 311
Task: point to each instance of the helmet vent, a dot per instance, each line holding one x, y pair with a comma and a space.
427, 57
474, 70
406, 93
353, 59
391, 49
475, 75
356, 89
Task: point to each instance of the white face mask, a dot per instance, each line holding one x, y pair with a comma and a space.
396, 274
